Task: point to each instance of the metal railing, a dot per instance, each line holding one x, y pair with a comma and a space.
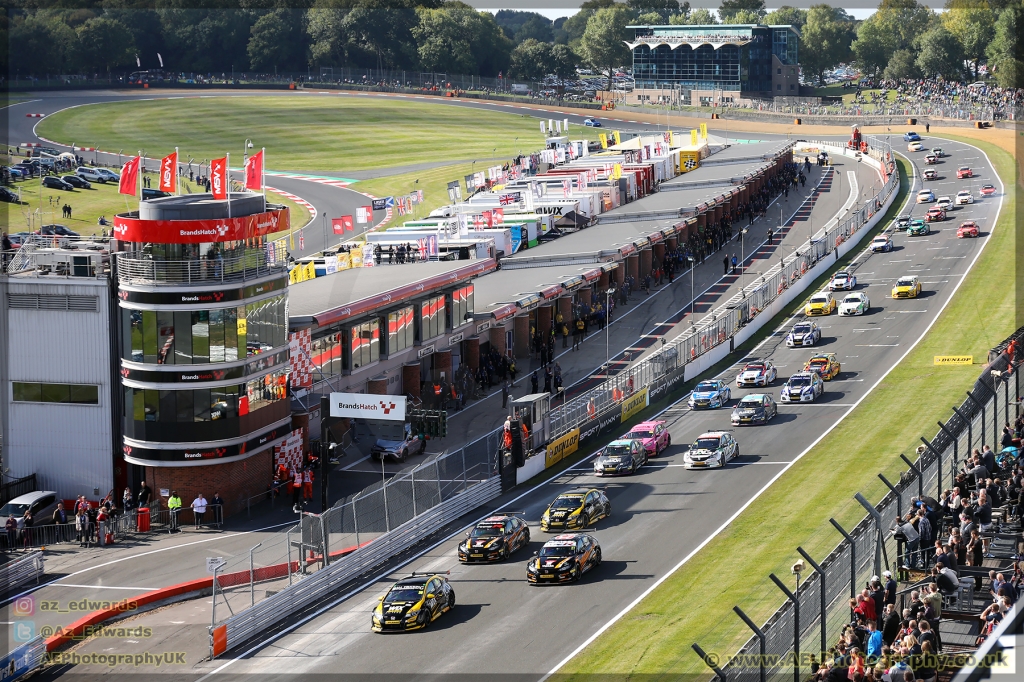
135, 268
25, 659
871, 546
24, 569
16, 488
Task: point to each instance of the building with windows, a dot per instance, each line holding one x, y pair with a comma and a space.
715, 64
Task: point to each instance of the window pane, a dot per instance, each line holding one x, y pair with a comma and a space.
200, 336
223, 405
27, 392
149, 335
240, 329
168, 406
216, 336
231, 335
201, 405
165, 337
56, 393
152, 405
136, 352
184, 400
374, 345
183, 337
139, 404
126, 333
83, 394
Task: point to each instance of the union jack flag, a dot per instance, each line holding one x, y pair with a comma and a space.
566, 187
506, 199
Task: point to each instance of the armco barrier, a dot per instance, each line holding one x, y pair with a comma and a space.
24, 569
249, 623
24, 660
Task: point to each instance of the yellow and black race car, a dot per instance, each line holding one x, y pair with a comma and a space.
413, 603
577, 508
563, 559
494, 538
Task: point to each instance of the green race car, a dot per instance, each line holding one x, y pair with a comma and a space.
917, 227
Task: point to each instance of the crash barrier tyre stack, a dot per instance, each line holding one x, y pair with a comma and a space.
24, 660
736, 320
253, 621
23, 570
870, 549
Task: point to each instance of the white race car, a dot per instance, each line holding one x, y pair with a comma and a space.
802, 387
945, 203
757, 373
964, 196
856, 303
843, 280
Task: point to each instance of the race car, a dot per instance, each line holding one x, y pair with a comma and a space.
907, 286
494, 538
924, 196
592, 122
577, 508
821, 303
915, 147
945, 203
963, 197
964, 172
413, 603
623, 456
930, 174
856, 303
933, 215
937, 151
918, 227
881, 243
709, 395
757, 373
564, 558
756, 408
653, 435
842, 280
911, 137
968, 228
930, 159
802, 387
711, 449
824, 364
803, 334
902, 221
988, 189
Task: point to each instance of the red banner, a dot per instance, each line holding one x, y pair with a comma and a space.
169, 172
254, 172
219, 178
338, 225
130, 229
129, 177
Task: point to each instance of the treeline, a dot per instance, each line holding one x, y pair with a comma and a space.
903, 39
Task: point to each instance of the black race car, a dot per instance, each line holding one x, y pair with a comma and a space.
413, 603
577, 508
494, 538
564, 558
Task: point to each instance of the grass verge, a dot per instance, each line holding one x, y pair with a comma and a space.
733, 567
433, 182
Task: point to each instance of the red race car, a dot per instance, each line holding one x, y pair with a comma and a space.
964, 172
968, 228
934, 214
988, 189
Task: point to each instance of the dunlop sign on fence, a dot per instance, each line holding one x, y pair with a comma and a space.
954, 359
633, 404
563, 447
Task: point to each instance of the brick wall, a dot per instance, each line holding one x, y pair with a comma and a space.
235, 481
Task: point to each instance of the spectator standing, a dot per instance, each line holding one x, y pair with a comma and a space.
217, 502
61, 520
199, 509
82, 526
297, 487
174, 507
26, 529
12, 531
504, 393
145, 494
307, 484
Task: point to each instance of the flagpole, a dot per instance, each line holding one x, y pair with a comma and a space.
138, 168
177, 176
263, 175
227, 178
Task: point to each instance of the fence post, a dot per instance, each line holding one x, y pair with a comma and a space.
288, 541
796, 624
708, 661
878, 528
917, 472
980, 406
355, 522
970, 431
412, 477
252, 577
938, 461
853, 557
995, 413
821, 576
956, 448
760, 638
323, 538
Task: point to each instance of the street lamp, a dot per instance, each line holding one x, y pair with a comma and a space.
693, 266
743, 233
607, 325
245, 150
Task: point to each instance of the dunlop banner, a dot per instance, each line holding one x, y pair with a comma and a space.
633, 404
954, 359
563, 447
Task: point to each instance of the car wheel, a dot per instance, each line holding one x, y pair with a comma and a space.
668, 442
526, 538
451, 599
584, 520
597, 557
577, 573
736, 452
504, 552
404, 456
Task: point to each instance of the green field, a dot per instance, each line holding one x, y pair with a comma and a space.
433, 182
312, 132
695, 603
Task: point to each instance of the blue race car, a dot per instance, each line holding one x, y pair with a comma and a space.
911, 137
709, 395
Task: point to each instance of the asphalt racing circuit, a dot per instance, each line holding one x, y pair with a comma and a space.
663, 514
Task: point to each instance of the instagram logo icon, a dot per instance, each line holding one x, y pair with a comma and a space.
24, 606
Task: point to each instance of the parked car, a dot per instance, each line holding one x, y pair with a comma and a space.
57, 231
398, 449
8, 196
90, 174
76, 181
53, 182
110, 175
41, 503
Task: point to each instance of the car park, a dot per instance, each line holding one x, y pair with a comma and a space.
398, 449
494, 539
964, 197
964, 172
930, 159
53, 182
622, 456
709, 395
756, 408
757, 373
934, 214
413, 603
930, 174
821, 303
911, 136
924, 196
825, 364
802, 387
90, 174
915, 147
564, 558
988, 190
713, 449
803, 334
653, 434
907, 286
592, 122
881, 244
918, 227
76, 181
40, 503
842, 280
968, 228
576, 508
856, 303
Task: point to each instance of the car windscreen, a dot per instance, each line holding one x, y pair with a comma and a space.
488, 531
567, 502
617, 451
13, 509
879, 240
705, 386
750, 401
706, 444
557, 552
798, 381
904, 282
802, 329
641, 433
753, 368
819, 299
851, 299
404, 594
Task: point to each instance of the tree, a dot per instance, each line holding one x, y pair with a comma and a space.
44, 46
787, 16
104, 43
383, 30
455, 38
327, 38
1006, 51
972, 23
824, 41
743, 16
663, 8
731, 7
649, 19
529, 60
563, 61
277, 41
871, 48
702, 16
941, 54
575, 25
206, 38
902, 64
895, 26
537, 28
603, 43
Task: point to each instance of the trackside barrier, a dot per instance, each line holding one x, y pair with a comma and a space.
24, 660
25, 569
249, 623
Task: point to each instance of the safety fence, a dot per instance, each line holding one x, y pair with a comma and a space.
815, 613
23, 570
25, 659
722, 325
17, 487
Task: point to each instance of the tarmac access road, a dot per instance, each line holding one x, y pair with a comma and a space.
661, 514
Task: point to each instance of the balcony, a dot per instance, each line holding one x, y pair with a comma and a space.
142, 269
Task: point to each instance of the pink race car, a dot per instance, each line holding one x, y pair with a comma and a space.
654, 436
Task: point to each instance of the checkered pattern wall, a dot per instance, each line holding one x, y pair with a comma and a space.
289, 452
300, 353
